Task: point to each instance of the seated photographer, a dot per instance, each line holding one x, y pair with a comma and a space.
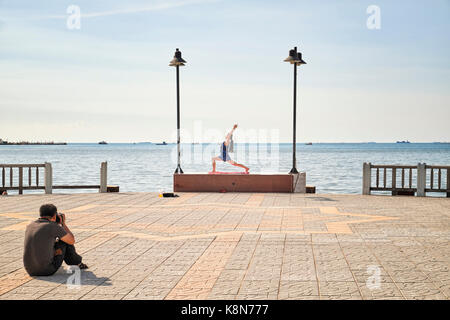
49, 242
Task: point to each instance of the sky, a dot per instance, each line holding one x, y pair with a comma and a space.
110, 79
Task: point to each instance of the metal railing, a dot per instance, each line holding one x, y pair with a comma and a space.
406, 179
15, 174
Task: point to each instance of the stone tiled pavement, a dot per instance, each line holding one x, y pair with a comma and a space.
238, 246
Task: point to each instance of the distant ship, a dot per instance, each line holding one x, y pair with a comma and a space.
102, 142
162, 144
309, 143
403, 141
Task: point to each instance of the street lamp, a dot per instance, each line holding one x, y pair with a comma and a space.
294, 58
178, 62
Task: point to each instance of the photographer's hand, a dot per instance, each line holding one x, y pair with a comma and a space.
63, 218
69, 237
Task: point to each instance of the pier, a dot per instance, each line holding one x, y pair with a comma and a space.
28, 143
237, 246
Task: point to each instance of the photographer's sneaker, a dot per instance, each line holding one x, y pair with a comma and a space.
82, 266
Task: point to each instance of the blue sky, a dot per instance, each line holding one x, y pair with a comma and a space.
110, 80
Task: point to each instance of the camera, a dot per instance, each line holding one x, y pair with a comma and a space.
59, 218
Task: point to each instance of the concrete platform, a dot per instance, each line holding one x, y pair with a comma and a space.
237, 246
204, 182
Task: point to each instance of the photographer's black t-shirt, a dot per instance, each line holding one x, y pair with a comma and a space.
40, 238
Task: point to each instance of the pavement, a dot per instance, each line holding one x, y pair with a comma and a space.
236, 246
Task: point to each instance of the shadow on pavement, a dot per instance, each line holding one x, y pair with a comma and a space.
74, 277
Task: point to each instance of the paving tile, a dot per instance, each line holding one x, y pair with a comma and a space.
416, 290
408, 276
297, 289
339, 288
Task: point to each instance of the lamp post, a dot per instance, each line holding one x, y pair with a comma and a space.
294, 58
178, 62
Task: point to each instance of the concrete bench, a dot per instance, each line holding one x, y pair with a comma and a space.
264, 182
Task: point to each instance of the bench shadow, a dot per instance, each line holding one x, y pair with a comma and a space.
320, 199
72, 276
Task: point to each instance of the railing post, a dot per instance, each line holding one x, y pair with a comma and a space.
20, 180
48, 178
4, 177
367, 175
103, 177
421, 179
448, 183
394, 181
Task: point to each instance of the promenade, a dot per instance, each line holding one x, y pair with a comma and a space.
237, 246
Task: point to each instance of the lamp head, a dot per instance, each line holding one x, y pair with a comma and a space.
295, 57
177, 59
300, 60
292, 58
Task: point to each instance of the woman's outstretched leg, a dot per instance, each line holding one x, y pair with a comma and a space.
239, 165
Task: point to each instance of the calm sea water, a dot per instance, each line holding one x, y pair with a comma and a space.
332, 168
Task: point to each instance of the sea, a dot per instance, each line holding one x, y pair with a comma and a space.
143, 167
